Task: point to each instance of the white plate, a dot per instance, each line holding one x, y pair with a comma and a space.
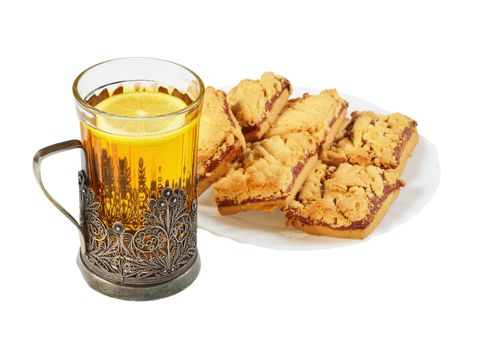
268, 229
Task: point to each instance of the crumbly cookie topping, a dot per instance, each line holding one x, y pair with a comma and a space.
311, 113
267, 168
250, 100
369, 138
343, 196
218, 129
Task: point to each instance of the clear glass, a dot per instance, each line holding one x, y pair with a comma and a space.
130, 160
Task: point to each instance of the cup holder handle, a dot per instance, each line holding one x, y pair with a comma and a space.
36, 163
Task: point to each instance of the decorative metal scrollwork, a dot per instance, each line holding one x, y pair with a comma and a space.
162, 249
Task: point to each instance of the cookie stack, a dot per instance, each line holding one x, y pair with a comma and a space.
329, 175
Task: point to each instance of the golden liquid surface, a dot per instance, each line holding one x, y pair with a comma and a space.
127, 169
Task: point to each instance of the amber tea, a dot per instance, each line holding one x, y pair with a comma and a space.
130, 162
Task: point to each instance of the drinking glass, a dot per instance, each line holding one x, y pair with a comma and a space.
138, 183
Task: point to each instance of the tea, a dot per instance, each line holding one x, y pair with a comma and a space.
134, 150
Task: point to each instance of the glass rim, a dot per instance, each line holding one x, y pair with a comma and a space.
83, 103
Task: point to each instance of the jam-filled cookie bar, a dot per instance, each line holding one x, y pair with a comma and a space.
221, 140
347, 201
386, 141
319, 115
270, 174
257, 103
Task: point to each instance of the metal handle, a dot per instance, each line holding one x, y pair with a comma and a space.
36, 164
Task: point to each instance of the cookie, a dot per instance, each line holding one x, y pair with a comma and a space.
344, 201
220, 142
386, 141
257, 103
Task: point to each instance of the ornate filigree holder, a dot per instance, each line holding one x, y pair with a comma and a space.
154, 262
139, 293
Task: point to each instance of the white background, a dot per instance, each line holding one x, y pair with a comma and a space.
427, 284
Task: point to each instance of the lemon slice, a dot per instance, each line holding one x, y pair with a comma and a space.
140, 104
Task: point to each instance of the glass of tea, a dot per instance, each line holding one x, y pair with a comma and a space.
139, 122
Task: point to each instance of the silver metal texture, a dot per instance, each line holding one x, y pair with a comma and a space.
155, 261
36, 164
140, 293
162, 250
